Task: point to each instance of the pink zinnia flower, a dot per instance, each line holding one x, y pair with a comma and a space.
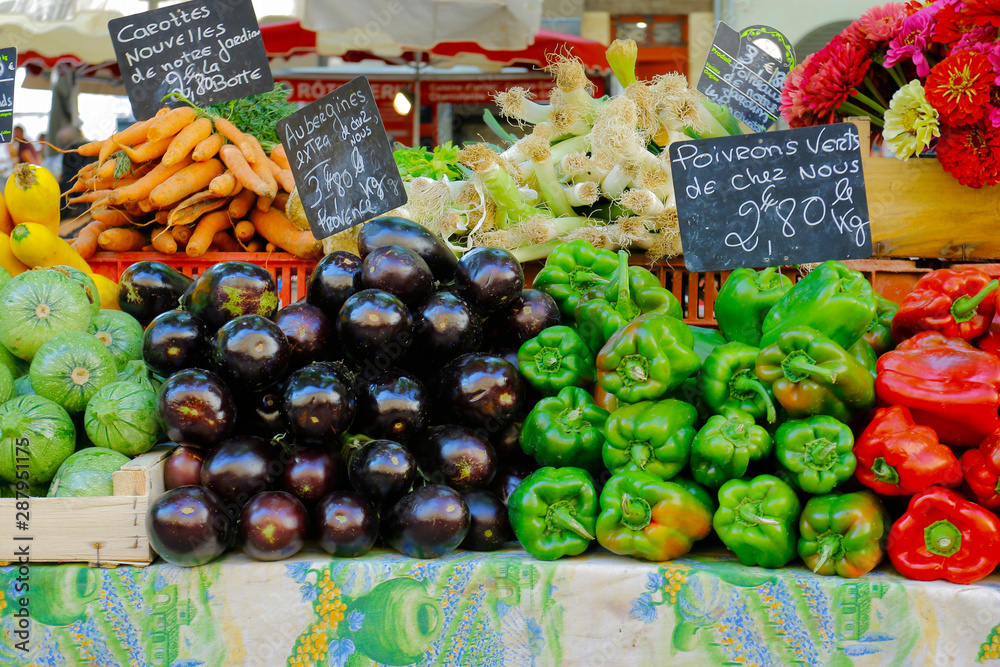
978, 39
881, 24
911, 41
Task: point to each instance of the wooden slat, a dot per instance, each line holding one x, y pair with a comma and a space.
102, 531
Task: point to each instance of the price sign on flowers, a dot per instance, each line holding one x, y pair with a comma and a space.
209, 51
771, 199
341, 159
745, 71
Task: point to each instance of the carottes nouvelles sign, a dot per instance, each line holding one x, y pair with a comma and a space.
208, 51
771, 199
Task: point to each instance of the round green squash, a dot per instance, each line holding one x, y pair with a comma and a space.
40, 426
22, 386
121, 334
6, 384
4, 277
70, 368
37, 305
87, 472
122, 416
15, 365
85, 281
138, 372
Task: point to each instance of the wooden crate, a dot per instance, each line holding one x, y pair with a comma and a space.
103, 531
918, 210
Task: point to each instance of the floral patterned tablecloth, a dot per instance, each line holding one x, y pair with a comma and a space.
503, 608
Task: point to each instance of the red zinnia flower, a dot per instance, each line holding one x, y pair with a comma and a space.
959, 87
981, 11
971, 153
952, 23
836, 72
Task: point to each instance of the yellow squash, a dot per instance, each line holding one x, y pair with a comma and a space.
8, 261
5, 222
32, 195
37, 245
108, 289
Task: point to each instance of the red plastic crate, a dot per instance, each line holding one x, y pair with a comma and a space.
290, 273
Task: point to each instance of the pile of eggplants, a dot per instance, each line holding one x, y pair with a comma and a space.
384, 407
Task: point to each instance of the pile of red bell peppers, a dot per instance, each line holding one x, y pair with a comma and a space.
821, 421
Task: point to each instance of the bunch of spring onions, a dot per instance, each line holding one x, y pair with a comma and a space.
593, 169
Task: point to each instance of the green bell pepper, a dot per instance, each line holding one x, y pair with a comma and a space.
744, 300
705, 341
553, 512
554, 359
810, 374
566, 430
843, 534
651, 436
865, 355
818, 451
644, 516
833, 299
879, 332
756, 519
724, 447
698, 491
727, 380
647, 358
572, 270
606, 309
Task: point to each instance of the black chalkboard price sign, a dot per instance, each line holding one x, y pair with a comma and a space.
771, 199
341, 159
209, 51
8, 66
745, 71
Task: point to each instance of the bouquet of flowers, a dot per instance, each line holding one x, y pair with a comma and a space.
926, 73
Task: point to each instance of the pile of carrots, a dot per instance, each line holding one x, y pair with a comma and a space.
185, 182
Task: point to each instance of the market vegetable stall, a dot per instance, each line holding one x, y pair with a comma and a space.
500, 608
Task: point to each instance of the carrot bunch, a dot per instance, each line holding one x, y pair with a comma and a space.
186, 182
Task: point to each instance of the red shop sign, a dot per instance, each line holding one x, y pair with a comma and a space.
469, 91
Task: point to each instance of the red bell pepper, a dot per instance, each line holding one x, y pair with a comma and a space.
897, 457
946, 383
990, 341
943, 535
958, 303
981, 467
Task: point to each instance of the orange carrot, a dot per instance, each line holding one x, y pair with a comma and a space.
89, 197
160, 217
195, 206
91, 149
147, 151
208, 148
163, 241
131, 135
251, 180
280, 201
121, 239
141, 189
223, 184
282, 176
270, 247
274, 226
206, 229
279, 157
112, 217
244, 230
226, 243
185, 141
181, 233
85, 243
255, 245
241, 204
106, 170
230, 132
171, 123
187, 181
